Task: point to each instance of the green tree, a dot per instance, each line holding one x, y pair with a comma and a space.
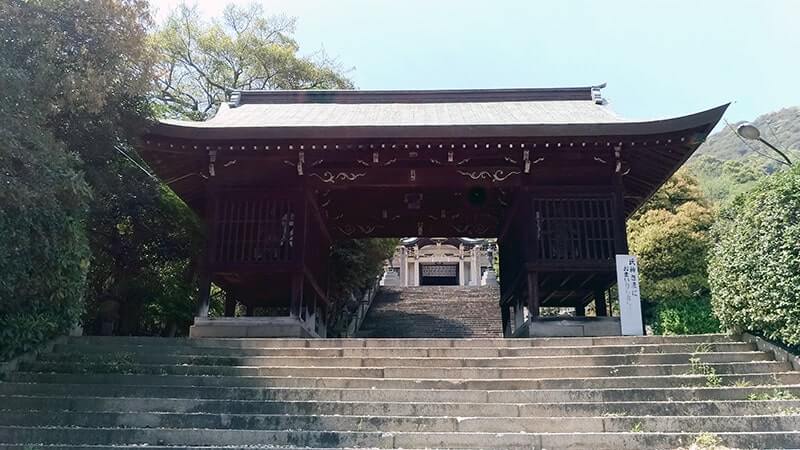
754, 266
43, 203
87, 68
355, 265
71, 72
202, 62
721, 180
670, 236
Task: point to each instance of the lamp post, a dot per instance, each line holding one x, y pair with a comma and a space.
749, 131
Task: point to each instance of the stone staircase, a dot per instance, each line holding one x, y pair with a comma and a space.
435, 312
557, 393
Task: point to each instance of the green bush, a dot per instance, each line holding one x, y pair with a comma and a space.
42, 233
684, 316
355, 265
754, 266
670, 236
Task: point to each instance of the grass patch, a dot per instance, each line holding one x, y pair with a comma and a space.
742, 383
707, 441
704, 347
776, 394
699, 367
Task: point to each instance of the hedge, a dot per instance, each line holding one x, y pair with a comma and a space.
754, 266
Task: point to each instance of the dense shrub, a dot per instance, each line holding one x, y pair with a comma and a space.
43, 247
754, 267
355, 265
670, 236
684, 316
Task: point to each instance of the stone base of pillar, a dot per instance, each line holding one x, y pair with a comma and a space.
240, 327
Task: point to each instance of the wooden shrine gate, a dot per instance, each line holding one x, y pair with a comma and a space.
552, 173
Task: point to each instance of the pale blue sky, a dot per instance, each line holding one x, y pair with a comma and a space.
659, 58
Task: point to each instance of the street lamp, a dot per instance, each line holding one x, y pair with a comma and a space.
749, 131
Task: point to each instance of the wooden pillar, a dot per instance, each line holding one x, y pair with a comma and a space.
297, 295
600, 303
580, 311
204, 291
230, 305
504, 313
620, 232
209, 252
533, 294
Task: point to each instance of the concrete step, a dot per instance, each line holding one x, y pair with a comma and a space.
215, 437
158, 447
606, 376
434, 312
402, 361
280, 422
384, 367
403, 342
32, 403
297, 381
623, 394
88, 349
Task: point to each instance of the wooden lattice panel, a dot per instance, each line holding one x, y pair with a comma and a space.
258, 230
574, 229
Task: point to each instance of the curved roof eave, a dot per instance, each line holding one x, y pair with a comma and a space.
200, 131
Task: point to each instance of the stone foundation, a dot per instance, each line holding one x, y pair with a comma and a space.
240, 327
576, 326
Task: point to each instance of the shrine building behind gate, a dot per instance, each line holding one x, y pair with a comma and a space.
278, 176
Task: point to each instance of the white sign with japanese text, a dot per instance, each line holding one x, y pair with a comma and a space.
630, 301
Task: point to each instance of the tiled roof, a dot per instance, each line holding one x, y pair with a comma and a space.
441, 114
411, 108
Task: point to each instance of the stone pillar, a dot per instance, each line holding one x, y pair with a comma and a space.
475, 266
461, 273
403, 267
415, 274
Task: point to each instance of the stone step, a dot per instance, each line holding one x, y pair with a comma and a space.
537, 374
257, 365
424, 409
83, 349
186, 391
157, 447
213, 437
406, 361
404, 342
299, 381
279, 422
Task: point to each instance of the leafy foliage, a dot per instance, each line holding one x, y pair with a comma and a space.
355, 265
724, 180
203, 62
754, 266
43, 203
75, 78
670, 235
